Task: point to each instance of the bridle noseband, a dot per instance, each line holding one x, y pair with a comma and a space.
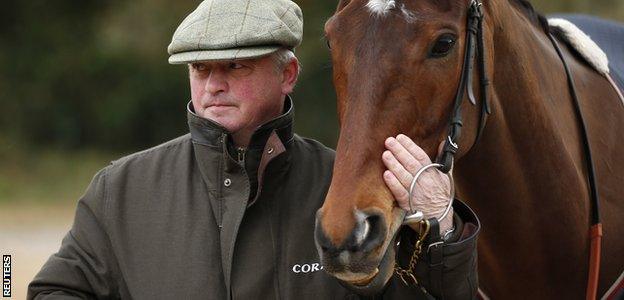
474, 47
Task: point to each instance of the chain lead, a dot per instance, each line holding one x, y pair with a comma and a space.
408, 274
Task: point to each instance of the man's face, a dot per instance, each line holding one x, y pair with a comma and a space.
240, 94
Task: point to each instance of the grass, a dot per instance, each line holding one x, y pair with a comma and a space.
38, 193
48, 177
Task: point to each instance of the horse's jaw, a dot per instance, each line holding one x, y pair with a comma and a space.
372, 283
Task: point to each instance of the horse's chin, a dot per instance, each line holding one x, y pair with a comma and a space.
357, 278
373, 283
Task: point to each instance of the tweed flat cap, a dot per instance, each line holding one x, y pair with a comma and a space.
236, 29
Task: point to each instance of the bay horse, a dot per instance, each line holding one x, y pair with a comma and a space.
396, 68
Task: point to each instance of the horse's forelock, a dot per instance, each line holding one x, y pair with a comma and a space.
380, 7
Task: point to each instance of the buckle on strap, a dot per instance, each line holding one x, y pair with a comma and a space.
475, 10
446, 159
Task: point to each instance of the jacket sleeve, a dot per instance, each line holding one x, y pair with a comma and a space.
83, 268
444, 271
449, 270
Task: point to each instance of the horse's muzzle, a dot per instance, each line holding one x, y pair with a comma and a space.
356, 259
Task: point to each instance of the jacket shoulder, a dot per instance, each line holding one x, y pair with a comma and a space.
160, 151
153, 165
313, 159
314, 147
140, 177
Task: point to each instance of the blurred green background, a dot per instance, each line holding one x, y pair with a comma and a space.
84, 82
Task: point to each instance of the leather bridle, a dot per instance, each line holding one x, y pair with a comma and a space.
595, 231
475, 48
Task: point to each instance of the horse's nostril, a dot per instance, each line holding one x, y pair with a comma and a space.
362, 231
322, 240
368, 234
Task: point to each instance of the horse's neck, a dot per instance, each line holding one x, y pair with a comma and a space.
530, 140
525, 177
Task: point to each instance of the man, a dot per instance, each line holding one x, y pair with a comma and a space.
227, 211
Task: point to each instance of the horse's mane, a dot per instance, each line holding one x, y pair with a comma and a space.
537, 18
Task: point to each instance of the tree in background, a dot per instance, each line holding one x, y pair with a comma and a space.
94, 74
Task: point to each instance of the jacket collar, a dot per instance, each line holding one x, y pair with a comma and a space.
207, 132
268, 142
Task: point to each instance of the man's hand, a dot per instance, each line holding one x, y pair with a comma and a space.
431, 193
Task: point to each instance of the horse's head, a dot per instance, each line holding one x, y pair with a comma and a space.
396, 66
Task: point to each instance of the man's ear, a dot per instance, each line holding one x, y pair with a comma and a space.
290, 74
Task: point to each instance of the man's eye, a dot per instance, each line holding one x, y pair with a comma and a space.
235, 66
200, 67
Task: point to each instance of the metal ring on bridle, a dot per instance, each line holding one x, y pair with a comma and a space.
452, 143
418, 215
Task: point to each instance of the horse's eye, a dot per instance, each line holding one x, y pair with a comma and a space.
443, 45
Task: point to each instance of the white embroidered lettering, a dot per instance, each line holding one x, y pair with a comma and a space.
296, 268
315, 267
306, 268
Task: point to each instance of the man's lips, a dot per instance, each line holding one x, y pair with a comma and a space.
219, 104
218, 108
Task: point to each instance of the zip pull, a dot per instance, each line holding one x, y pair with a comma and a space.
241, 154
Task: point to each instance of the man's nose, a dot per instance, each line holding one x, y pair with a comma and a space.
216, 82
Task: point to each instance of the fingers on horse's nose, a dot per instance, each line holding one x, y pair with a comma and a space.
368, 233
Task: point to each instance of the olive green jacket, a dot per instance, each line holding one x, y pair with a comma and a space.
194, 218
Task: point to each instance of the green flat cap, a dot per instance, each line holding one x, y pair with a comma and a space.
236, 29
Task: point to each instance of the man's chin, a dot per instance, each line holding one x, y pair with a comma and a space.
224, 116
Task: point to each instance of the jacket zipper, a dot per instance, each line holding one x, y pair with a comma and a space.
241, 154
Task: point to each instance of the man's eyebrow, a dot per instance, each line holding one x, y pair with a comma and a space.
195, 64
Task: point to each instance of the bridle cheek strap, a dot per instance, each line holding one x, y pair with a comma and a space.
474, 48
